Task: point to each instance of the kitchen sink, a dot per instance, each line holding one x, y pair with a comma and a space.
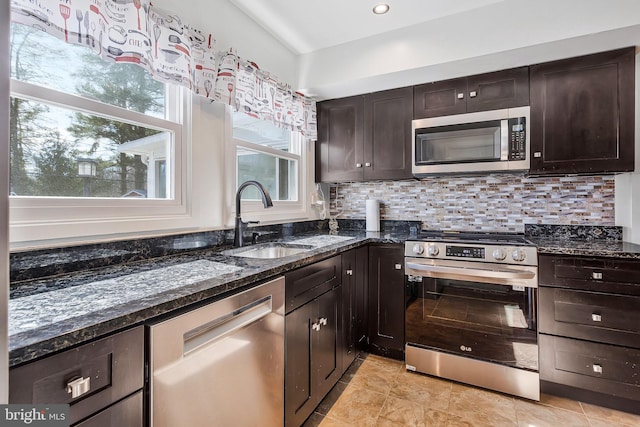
269, 250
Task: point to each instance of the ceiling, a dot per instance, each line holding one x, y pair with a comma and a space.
343, 48
309, 25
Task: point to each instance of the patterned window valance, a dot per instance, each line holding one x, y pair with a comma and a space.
137, 32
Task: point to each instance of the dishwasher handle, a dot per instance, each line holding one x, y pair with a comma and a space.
226, 324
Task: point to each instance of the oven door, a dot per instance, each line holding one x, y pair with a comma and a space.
479, 310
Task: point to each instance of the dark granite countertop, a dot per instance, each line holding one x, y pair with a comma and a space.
600, 241
599, 248
57, 312
63, 297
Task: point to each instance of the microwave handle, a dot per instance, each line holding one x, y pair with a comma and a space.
504, 140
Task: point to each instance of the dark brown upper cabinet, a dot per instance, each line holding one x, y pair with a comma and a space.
582, 114
490, 91
364, 138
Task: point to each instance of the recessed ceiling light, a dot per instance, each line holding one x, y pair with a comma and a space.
381, 9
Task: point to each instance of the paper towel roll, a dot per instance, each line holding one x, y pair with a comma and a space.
373, 214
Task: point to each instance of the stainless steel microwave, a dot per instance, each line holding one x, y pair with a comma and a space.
486, 141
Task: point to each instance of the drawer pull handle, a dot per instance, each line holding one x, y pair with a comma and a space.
349, 272
596, 276
78, 387
315, 326
597, 368
323, 321
596, 317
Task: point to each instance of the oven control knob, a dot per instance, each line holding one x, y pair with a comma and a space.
418, 249
499, 254
433, 250
518, 255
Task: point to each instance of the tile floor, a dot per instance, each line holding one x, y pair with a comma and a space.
376, 391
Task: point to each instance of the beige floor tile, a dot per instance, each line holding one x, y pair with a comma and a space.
561, 402
459, 421
610, 415
534, 414
482, 406
400, 412
433, 418
376, 375
357, 406
330, 422
385, 361
428, 391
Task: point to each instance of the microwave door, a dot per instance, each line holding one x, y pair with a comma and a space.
477, 144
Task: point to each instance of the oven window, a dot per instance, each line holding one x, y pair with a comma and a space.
460, 143
489, 322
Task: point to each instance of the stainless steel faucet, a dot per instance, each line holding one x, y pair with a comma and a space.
240, 225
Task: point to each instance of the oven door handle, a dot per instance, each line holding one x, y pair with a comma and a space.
443, 272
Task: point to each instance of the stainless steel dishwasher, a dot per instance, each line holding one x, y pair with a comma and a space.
222, 364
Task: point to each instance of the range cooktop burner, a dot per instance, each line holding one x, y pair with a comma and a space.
474, 237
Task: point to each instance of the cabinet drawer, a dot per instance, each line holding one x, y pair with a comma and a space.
606, 368
127, 412
592, 274
613, 319
114, 367
306, 283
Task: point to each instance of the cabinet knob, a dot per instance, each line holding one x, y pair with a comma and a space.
349, 272
78, 386
597, 368
358, 165
398, 266
461, 96
596, 317
323, 321
473, 94
368, 164
315, 326
596, 276
537, 154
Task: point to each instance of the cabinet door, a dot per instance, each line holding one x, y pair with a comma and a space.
582, 114
113, 368
300, 399
339, 155
386, 300
348, 350
440, 98
387, 134
326, 346
501, 89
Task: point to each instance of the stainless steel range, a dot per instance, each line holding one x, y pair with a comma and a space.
471, 310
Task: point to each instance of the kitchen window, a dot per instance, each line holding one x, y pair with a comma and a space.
274, 157
91, 140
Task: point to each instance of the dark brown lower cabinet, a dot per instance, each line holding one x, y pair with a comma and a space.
111, 371
313, 337
312, 355
354, 303
589, 324
386, 300
127, 412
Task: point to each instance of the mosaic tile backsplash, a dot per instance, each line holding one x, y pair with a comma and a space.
501, 203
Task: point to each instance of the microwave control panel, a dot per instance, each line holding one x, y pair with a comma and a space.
517, 139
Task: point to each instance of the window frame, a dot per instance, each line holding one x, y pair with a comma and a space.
288, 210
37, 219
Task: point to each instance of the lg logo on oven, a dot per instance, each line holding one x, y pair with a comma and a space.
465, 348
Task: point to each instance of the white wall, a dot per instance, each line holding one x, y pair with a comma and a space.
232, 28
628, 184
4, 199
502, 35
